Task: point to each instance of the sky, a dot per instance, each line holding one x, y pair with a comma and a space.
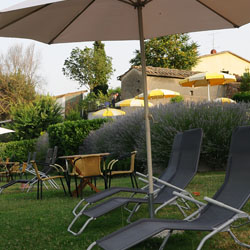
53, 56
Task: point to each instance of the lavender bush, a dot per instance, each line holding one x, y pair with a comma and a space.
128, 133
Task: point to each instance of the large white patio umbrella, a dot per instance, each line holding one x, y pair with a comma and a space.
5, 131
60, 21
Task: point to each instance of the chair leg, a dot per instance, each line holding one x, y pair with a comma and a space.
109, 180
136, 184
63, 186
237, 240
77, 195
165, 240
38, 193
105, 182
41, 189
132, 181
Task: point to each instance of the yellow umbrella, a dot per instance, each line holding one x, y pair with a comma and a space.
159, 93
207, 79
132, 103
108, 112
224, 100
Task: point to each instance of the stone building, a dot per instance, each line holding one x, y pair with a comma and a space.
164, 78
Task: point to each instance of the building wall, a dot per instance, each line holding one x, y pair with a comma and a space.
222, 62
131, 86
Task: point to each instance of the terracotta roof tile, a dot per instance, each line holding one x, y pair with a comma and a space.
163, 72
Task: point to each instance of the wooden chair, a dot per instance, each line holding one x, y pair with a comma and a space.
42, 178
131, 171
86, 167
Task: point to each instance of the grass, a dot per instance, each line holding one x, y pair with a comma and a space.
27, 223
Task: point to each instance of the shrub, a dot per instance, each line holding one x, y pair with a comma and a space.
29, 120
242, 96
17, 150
245, 81
177, 99
128, 133
69, 135
73, 115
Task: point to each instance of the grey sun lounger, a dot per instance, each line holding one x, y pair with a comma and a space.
217, 216
182, 167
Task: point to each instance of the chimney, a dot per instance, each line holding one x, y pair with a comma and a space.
213, 51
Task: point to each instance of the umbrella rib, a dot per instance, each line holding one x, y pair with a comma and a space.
217, 13
67, 25
130, 2
135, 4
18, 19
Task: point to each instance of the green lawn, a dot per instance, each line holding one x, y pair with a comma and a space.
27, 223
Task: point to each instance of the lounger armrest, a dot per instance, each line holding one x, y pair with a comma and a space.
189, 198
221, 204
169, 185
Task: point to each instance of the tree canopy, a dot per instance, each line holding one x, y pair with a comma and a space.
173, 51
91, 67
19, 77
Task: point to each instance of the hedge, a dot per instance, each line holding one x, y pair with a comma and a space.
17, 150
69, 135
242, 96
128, 133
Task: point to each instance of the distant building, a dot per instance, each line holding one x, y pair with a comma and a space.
163, 78
70, 101
224, 61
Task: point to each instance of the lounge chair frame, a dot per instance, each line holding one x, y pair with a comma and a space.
166, 198
217, 215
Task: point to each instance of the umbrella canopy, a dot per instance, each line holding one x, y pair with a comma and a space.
59, 21
5, 131
224, 100
108, 112
132, 103
207, 79
159, 93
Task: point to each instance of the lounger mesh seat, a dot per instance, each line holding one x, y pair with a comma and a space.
184, 159
213, 217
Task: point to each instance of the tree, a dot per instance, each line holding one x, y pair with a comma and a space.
19, 77
245, 81
173, 51
91, 67
30, 119
22, 61
13, 89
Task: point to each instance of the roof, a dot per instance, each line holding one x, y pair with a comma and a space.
72, 93
162, 72
224, 52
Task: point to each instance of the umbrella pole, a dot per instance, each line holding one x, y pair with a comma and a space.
208, 92
146, 110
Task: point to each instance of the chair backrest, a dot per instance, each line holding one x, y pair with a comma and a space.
49, 155
54, 155
88, 166
132, 161
185, 158
174, 159
235, 190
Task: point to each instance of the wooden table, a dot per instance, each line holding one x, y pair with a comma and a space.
85, 181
